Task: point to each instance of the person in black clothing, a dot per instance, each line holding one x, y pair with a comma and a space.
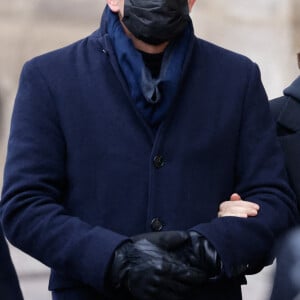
9, 284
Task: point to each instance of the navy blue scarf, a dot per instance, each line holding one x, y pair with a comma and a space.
152, 96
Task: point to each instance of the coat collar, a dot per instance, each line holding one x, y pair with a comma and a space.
294, 89
289, 115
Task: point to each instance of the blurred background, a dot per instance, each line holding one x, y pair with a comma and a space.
267, 31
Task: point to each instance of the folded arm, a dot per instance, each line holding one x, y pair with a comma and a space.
260, 178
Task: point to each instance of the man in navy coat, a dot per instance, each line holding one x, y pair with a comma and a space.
9, 284
122, 147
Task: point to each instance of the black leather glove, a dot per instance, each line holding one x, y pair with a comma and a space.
191, 248
204, 255
166, 240
149, 272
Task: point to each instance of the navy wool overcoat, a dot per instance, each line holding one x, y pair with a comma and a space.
84, 171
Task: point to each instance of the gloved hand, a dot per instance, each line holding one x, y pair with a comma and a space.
151, 273
204, 255
191, 248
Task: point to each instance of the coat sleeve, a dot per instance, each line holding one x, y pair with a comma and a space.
261, 178
34, 218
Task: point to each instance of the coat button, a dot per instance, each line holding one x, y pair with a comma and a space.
156, 224
158, 161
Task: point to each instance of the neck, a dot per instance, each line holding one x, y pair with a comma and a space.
151, 49
142, 46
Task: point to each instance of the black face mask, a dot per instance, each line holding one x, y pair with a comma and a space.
155, 21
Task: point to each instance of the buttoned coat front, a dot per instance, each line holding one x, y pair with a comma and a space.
80, 177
